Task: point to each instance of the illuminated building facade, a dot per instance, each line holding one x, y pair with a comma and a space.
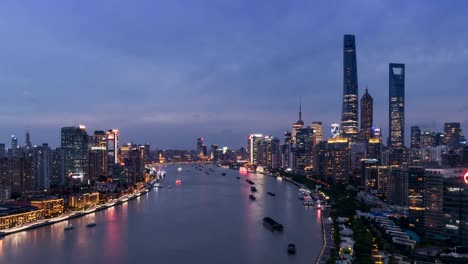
428, 139
367, 117
17, 173
303, 150
13, 216
318, 131
445, 197
349, 117
51, 207
415, 137
42, 165
374, 149
416, 205
83, 200
74, 144
452, 133
112, 146
337, 153
397, 187
396, 113
298, 125
254, 143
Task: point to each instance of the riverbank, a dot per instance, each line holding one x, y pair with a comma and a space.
326, 228
122, 199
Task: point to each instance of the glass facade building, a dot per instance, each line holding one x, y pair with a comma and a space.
349, 117
396, 105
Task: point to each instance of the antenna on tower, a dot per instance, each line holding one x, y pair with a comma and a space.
300, 107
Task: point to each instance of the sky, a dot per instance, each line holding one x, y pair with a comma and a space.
165, 72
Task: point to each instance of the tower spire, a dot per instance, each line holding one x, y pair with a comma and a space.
300, 107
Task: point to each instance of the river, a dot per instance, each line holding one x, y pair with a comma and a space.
208, 218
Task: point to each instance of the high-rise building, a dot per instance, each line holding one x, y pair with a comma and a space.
416, 198
3, 151
367, 117
349, 117
303, 150
396, 113
14, 146
57, 178
74, 144
253, 148
338, 160
112, 146
453, 135
298, 125
28, 148
445, 198
397, 187
428, 139
42, 166
17, 173
415, 137
213, 152
200, 147
374, 149
318, 131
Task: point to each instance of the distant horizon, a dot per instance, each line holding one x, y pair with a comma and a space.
167, 72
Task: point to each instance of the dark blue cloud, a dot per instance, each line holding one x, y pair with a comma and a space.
166, 72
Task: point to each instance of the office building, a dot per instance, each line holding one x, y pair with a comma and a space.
112, 147
14, 146
397, 187
253, 148
349, 117
338, 160
367, 117
42, 166
318, 131
445, 197
416, 205
200, 147
415, 137
17, 174
303, 150
396, 113
74, 144
452, 132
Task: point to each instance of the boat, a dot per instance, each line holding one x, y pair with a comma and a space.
252, 197
271, 194
224, 174
291, 248
238, 177
69, 227
169, 187
279, 178
253, 189
178, 181
272, 224
249, 181
92, 224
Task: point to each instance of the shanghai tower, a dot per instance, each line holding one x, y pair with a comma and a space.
349, 117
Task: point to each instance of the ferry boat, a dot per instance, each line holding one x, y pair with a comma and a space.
271, 194
252, 197
92, 224
69, 227
253, 189
272, 224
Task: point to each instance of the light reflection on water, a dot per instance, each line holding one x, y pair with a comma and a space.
206, 219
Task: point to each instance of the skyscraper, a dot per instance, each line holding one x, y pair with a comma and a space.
349, 117
415, 137
27, 145
367, 112
112, 146
396, 113
199, 146
14, 146
74, 144
304, 144
452, 133
253, 147
318, 131
298, 125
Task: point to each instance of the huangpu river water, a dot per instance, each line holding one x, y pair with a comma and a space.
208, 218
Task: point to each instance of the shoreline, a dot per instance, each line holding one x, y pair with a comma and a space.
40, 223
324, 235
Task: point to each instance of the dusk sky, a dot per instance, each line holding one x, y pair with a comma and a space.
167, 72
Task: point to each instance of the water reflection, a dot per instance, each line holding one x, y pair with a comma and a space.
206, 219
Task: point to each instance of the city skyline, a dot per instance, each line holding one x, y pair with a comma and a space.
177, 89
